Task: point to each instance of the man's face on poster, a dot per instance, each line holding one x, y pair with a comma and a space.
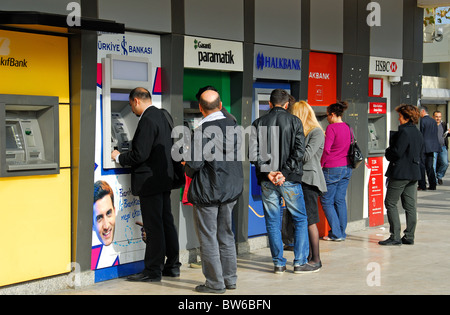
105, 220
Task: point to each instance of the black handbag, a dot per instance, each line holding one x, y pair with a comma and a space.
354, 153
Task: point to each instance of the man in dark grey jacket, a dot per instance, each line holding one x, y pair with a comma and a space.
279, 172
217, 182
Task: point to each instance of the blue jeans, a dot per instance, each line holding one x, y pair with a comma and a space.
334, 202
292, 194
440, 163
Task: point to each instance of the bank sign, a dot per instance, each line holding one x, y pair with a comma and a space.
211, 54
277, 63
386, 67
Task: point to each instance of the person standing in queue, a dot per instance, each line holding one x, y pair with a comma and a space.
279, 173
403, 154
217, 182
152, 175
337, 171
313, 181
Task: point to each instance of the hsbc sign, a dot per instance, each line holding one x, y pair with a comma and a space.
386, 66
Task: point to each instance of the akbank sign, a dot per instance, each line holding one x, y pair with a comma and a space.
277, 63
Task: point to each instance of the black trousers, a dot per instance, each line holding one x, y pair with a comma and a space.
162, 237
426, 166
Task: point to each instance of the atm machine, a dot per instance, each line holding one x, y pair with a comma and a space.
261, 97
377, 144
121, 74
29, 142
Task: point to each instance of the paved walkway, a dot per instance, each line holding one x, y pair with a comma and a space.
357, 266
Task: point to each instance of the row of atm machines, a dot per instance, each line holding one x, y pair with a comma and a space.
30, 143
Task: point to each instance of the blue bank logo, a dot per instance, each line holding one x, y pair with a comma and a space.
277, 63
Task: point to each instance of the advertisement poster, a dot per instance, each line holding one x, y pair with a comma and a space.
116, 233
376, 204
322, 79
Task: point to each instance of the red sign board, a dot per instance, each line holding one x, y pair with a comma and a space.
376, 204
377, 108
375, 87
322, 79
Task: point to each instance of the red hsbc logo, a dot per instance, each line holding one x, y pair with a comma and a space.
393, 67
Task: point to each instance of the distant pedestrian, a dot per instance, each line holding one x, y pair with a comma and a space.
440, 161
429, 131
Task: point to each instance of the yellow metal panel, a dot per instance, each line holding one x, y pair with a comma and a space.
64, 135
34, 64
34, 227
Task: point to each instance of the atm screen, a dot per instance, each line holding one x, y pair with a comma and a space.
12, 138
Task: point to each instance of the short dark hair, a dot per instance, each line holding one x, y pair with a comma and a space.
102, 189
279, 97
140, 93
337, 108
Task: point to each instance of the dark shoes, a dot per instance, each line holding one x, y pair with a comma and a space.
204, 289
171, 273
392, 242
279, 269
407, 242
142, 277
308, 268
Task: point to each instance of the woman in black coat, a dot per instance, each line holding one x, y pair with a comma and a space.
403, 173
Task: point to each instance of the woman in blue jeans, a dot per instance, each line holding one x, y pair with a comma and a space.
337, 171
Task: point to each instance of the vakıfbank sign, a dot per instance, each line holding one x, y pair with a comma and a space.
212, 54
34, 64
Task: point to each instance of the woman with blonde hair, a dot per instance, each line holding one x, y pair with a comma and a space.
313, 181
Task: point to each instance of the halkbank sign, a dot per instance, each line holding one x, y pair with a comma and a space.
212, 54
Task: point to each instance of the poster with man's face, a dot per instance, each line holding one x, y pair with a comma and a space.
116, 237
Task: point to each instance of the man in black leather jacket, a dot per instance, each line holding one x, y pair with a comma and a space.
279, 172
217, 182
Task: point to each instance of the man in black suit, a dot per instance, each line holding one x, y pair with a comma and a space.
152, 175
428, 128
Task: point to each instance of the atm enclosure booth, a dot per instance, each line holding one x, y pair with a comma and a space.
377, 144
273, 67
261, 97
30, 143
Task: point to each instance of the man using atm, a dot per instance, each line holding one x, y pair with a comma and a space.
152, 175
